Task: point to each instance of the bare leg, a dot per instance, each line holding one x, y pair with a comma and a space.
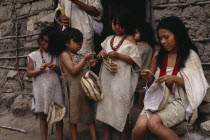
92, 130
164, 133
107, 135
125, 132
43, 126
140, 128
59, 129
73, 131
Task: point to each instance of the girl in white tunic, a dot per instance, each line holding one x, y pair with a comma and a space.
178, 65
43, 68
118, 88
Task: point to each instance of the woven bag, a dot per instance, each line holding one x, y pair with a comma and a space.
156, 97
91, 86
110, 65
56, 112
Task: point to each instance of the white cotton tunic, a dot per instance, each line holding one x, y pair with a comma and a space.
79, 20
47, 85
118, 88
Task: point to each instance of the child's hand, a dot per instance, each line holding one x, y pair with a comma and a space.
145, 74
93, 63
43, 66
52, 66
113, 54
102, 53
88, 56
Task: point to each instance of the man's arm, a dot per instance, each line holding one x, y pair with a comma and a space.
89, 9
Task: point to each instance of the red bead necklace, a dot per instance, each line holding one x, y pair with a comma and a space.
42, 57
118, 45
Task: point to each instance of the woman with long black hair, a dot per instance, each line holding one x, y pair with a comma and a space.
178, 66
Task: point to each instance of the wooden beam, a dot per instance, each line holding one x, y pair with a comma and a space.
13, 68
162, 6
20, 36
10, 50
13, 57
9, 3
201, 40
29, 15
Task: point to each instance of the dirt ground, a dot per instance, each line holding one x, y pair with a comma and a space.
30, 123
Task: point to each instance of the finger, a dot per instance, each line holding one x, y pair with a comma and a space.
146, 70
104, 52
160, 80
144, 73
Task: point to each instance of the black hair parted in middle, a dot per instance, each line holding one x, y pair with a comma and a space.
176, 26
125, 18
55, 39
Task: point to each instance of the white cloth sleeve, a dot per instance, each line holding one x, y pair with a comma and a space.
104, 43
97, 4
195, 82
32, 56
136, 56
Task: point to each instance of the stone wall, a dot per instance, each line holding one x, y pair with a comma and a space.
21, 21
20, 24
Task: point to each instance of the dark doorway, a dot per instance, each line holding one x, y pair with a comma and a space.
138, 7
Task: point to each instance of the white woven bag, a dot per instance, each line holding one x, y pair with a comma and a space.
56, 112
156, 97
91, 86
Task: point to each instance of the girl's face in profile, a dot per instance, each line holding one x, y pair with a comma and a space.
167, 40
73, 46
117, 28
44, 43
137, 36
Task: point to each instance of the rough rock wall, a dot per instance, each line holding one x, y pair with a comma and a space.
196, 16
20, 23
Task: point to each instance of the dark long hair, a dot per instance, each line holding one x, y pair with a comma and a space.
183, 41
55, 39
147, 33
71, 33
125, 18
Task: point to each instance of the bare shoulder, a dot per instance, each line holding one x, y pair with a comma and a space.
131, 39
65, 55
